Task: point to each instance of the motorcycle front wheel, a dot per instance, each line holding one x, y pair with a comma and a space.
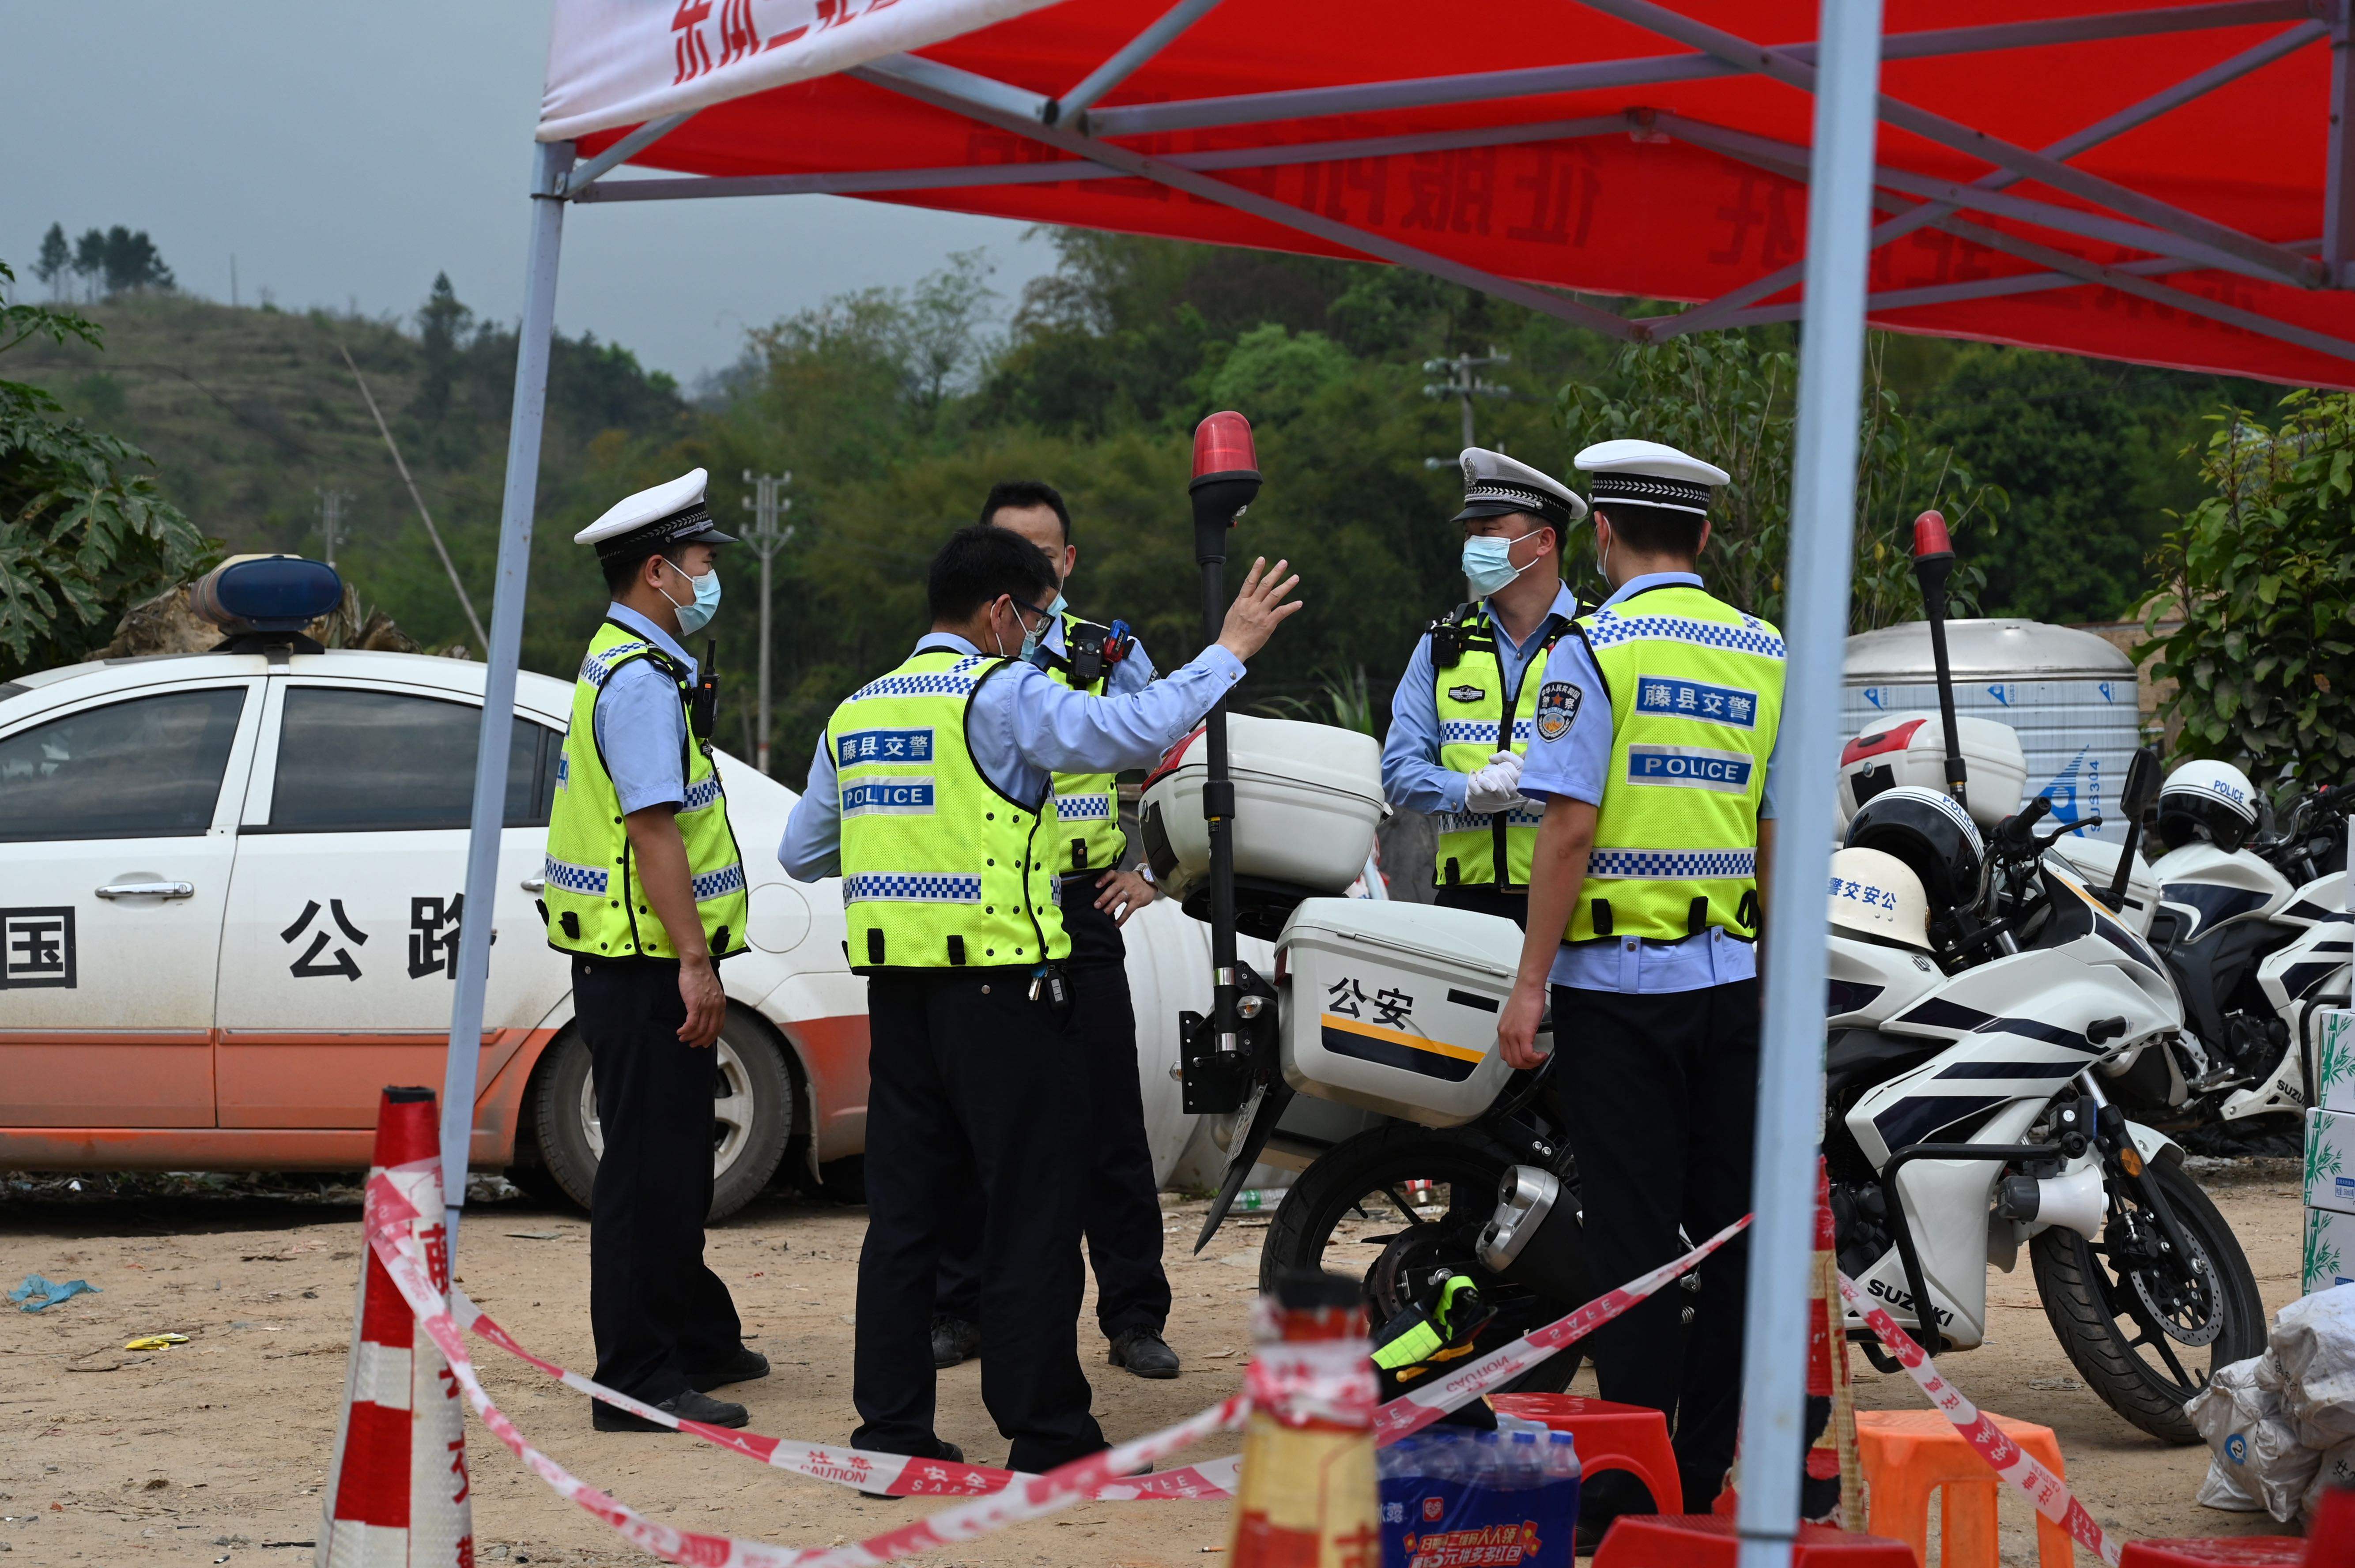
1387, 1207
2144, 1328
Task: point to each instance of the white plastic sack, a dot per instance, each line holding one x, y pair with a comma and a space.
2257, 1455
2338, 1470
2218, 1490
2313, 1341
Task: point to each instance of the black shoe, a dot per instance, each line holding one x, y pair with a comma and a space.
688, 1405
1601, 1501
954, 1340
1143, 1352
940, 1450
741, 1368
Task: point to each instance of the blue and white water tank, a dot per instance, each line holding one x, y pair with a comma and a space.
2069, 694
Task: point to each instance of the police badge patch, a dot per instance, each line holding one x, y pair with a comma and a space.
1465, 693
1558, 703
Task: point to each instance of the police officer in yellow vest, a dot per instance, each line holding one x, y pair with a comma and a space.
645, 889
1461, 720
1655, 729
930, 796
1122, 1218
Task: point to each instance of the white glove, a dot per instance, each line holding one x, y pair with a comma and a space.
1496, 787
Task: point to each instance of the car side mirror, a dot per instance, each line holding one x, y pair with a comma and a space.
2140, 792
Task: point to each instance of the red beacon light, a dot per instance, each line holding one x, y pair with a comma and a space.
1223, 450
1930, 539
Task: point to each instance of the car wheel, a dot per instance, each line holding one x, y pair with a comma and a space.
753, 1105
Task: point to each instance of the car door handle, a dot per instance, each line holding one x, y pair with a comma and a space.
148, 891
535, 884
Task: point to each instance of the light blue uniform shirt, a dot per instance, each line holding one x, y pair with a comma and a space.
1024, 729
641, 724
1412, 777
1577, 765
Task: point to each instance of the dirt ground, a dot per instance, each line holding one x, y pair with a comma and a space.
216, 1451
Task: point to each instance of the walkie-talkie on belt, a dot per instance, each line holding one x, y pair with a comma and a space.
703, 708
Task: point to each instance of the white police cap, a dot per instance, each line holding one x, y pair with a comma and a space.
669, 513
1648, 473
1496, 485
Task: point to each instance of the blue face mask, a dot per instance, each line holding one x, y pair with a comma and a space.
1055, 610
697, 612
1489, 564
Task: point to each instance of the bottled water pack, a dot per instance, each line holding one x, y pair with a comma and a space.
1453, 1498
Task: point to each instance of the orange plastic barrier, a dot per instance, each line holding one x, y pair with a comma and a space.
1631, 1438
1910, 1453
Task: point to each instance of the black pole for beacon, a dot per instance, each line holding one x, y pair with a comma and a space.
1226, 479
1933, 562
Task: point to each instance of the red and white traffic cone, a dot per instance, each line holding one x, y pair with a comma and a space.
397, 1489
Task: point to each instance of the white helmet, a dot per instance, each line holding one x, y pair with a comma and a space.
1875, 895
2208, 800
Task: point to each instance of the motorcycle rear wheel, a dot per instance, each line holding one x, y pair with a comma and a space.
2111, 1333
1358, 1194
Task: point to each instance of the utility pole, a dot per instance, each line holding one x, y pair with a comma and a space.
767, 503
331, 513
1464, 383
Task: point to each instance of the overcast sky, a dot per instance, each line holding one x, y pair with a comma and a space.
346, 153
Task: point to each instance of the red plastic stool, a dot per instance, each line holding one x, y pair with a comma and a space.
1631, 1438
1707, 1541
2224, 1552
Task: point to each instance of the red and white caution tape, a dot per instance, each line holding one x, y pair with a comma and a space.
1418, 1408
2046, 1490
866, 1469
388, 1216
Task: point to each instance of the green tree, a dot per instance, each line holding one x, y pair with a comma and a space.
89, 261
56, 260
2087, 452
1728, 397
441, 324
1274, 373
131, 261
83, 533
2263, 578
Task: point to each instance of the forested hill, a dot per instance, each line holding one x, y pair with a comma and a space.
894, 410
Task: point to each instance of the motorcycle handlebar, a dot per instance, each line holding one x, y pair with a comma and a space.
2018, 835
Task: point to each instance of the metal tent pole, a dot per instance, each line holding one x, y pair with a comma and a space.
552, 161
1815, 622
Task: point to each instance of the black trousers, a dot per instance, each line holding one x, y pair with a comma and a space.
1121, 1210
1482, 898
971, 1085
1660, 1094
659, 1314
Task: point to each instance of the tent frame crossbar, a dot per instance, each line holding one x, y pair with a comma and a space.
1303, 104
1125, 61
1726, 310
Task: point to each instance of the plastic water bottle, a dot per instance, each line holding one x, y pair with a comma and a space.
1561, 1457
1524, 1467
1488, 1461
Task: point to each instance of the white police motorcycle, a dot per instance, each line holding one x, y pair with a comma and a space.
2251, 920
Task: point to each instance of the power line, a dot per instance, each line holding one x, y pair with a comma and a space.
331, 514
1464, 384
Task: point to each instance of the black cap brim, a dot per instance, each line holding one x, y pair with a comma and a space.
1477, 509
707, 536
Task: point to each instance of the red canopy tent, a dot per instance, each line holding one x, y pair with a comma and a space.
2167, 185
2153, 184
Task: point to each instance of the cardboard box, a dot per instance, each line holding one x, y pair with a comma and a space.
2329, 1250
2334, 1052
2330, 1160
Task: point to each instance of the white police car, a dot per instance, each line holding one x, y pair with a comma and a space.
229, 899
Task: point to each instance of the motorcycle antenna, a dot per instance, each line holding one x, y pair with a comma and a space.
1933, 562
1226, 480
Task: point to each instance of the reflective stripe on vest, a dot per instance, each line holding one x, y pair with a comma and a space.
596, 903
1479, 849
1696, 691
1086, 828
939, 869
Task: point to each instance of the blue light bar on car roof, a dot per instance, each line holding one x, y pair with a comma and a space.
266, 594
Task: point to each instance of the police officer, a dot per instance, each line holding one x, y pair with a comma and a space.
646, 891
1655, 728
931, 794
1122, 1207
1450, 751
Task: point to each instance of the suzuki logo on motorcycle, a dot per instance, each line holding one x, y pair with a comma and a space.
1690, 767
1903, 1301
